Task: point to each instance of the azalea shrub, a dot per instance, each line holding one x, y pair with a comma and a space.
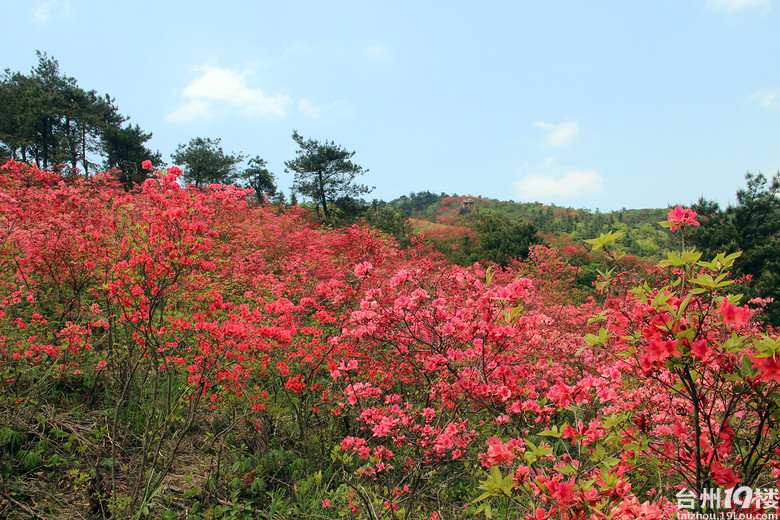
178, 352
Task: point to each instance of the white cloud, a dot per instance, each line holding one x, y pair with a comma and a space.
195, 110
315, 111
559, 134
767, 98
548, 187
50, 9
219, 89
378, 52
731, 6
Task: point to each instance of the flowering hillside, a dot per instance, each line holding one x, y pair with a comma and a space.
180, 353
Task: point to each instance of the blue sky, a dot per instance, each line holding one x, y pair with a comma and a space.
583, 104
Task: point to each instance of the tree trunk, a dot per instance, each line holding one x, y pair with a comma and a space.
45, 150
84, 151
323, 200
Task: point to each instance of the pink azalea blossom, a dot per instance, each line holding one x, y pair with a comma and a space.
659, 349
733, 315
362, 269
769, 367
682, 218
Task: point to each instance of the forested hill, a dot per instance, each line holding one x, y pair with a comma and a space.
472, 228
643, 236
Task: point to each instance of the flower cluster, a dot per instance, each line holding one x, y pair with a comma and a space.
413, 377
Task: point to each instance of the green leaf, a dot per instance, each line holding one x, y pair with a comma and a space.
258, 486
566, 470
598, 317
721, 262
604, 240
538, 450
600, 453
483, 496
11, 438
687, 333
613, 420
495, 474
747, 367
31, 460
673, 260
767, 346
591, 339
684, 305
708, 281
531, 444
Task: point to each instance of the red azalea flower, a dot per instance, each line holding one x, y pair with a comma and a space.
682, 217
768, 366
147, 165
733, 315
724, 476
659, 350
